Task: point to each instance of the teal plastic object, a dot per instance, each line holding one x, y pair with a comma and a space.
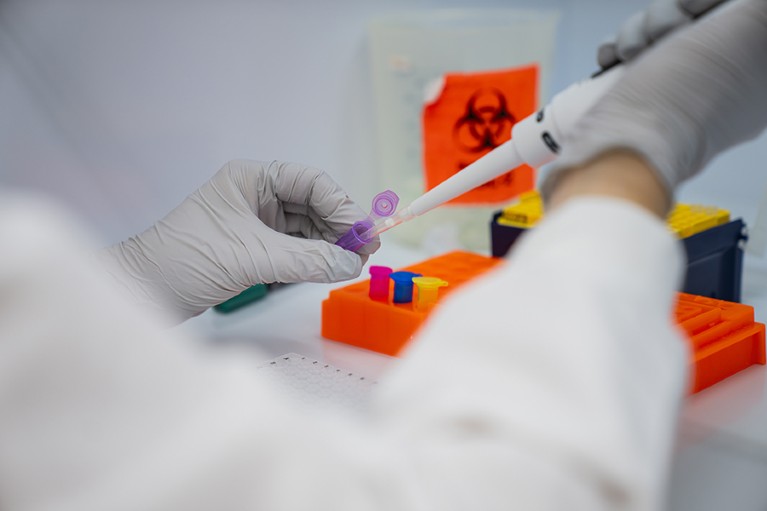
250, 295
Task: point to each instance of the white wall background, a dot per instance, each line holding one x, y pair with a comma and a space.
121, 109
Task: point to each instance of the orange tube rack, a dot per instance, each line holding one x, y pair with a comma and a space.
723, 335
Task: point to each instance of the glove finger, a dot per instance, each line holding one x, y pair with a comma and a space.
313, 189
273, 189
663, 16
301, 260
316, 227
330, 236
279, 190
304, 227
642, 29
305, 189
607, 55
696, 8
370, 247
312, 227
632, 38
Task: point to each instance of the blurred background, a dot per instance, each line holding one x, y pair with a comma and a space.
121, 109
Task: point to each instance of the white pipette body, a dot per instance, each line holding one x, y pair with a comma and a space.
535, 140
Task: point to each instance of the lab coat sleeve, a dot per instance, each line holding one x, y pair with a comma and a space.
552, 383
555, 382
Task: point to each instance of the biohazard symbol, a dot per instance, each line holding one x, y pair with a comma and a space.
486, 123
471, 117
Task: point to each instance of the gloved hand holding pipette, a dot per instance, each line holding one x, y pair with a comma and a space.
536, 140
680, 107
253, 222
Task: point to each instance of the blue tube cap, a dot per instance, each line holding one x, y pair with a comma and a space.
403, 285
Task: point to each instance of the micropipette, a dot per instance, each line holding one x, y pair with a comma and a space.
535, 140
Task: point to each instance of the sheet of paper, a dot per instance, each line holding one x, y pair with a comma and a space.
315, 383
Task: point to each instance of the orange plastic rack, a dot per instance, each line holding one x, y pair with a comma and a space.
350, 316
724, 337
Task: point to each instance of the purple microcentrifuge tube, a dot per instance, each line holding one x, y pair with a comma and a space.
355, 238
379, 283
384, 204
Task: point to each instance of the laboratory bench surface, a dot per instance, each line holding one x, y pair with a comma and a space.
720, 458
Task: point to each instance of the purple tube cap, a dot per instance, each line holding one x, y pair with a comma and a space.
385, 203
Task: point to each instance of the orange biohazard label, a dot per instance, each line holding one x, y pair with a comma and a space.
473, 115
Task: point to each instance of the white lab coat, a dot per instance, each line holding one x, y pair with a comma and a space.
553, 383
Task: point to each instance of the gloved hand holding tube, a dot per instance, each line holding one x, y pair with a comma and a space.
253, 222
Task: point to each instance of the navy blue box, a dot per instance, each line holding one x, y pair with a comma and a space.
714, 257
715, 261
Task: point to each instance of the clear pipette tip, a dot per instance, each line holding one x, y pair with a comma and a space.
384, 224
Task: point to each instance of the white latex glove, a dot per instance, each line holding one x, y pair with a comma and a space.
682, 101
253, 222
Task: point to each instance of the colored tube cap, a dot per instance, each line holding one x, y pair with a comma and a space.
379, 282
384, 204
428, 291
403, 286
429, 282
